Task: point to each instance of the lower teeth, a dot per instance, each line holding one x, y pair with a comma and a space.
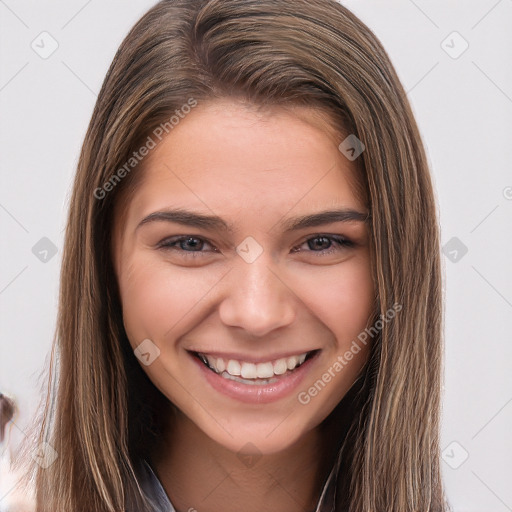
226, 375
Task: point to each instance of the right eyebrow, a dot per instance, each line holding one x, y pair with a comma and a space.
187, 218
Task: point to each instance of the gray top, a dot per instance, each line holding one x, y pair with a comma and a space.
156, 494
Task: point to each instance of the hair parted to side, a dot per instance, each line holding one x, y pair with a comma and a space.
268, 53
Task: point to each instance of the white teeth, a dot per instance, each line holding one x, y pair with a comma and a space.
264, 370
233, 367
220, 365
212, 361
247, 370
226, 375
280, 367
291, 362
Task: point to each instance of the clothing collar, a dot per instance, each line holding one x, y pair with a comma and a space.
160, 502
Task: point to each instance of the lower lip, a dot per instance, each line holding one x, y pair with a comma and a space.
256, 393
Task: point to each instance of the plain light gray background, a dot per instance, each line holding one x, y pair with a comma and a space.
463, 104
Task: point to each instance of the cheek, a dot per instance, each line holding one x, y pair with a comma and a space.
151, 304
158, 297
353, 299
343, 297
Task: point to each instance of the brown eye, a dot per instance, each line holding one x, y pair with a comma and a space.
194, 244
185, 244
326, 244
319, 243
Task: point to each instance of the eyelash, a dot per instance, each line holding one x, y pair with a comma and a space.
341, 241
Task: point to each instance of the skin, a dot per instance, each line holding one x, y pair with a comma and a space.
254, 170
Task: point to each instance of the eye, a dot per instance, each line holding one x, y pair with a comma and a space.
189, 246
326, 244
192, 246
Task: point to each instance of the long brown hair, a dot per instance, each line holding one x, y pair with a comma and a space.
270, 53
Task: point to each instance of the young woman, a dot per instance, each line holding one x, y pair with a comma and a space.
250, 313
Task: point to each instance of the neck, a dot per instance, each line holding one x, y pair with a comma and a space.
199, 474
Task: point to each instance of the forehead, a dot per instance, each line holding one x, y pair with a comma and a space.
232, 158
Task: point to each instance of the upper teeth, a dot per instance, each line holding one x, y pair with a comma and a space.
252, 370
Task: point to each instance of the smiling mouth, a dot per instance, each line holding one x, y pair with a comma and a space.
254, 373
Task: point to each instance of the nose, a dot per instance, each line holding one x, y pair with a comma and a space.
257, 300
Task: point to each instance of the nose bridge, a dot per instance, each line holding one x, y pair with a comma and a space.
257, 299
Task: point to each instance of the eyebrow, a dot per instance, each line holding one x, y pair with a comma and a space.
202, 221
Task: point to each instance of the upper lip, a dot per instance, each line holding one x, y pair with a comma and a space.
252, 358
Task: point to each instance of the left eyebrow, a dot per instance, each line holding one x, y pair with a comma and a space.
325, 217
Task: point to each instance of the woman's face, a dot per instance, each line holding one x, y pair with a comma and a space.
223, 259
